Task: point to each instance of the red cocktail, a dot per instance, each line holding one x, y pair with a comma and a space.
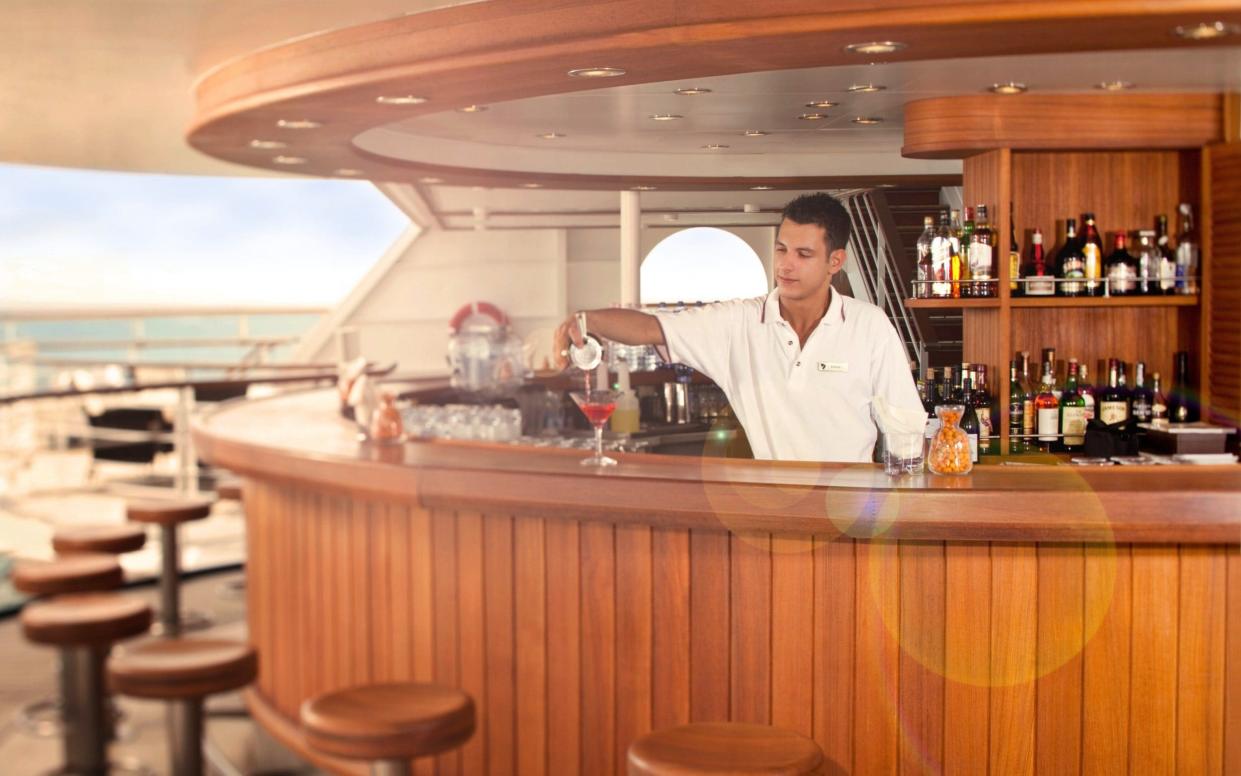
597, 406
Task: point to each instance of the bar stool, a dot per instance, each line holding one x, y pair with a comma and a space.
388, 724
108, 539
183, 672
81, 573
84, 626
169, 514
725, 748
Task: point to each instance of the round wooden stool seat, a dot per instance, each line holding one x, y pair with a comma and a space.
168, 511
112, 539
398, 721
85, 619
173, 669
70, 574
724, 748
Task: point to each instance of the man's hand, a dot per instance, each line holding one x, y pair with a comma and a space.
567, 333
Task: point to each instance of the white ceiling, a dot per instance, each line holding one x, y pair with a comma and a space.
108, 85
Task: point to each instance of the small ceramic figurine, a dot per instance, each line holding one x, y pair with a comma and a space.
386, 423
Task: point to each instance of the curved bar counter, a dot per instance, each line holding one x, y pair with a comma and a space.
1018, 620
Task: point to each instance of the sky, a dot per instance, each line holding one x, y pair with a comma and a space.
87, 238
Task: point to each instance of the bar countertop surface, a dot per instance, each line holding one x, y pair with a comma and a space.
301, 437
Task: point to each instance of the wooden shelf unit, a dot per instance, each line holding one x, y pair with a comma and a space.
950, 304
1125, 183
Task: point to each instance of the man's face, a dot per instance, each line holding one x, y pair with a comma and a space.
803, 266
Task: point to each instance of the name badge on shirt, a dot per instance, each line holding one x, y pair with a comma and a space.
833, 366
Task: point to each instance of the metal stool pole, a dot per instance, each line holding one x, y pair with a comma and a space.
170, 583
185, 736
390, 768
86, 727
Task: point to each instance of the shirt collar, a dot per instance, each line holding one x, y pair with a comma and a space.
835, 309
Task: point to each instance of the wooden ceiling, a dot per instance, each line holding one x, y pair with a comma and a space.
490, 52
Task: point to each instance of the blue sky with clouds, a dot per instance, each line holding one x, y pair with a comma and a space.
74, 237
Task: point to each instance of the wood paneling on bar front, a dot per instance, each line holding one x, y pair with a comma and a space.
923, 657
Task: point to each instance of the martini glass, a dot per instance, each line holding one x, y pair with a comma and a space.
597, 406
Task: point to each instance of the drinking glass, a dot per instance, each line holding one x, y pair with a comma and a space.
597, 406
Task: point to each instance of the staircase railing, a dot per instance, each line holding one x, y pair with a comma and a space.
873, 267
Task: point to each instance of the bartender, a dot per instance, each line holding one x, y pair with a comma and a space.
800, 365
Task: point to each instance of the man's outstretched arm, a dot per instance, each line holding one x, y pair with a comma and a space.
628, 327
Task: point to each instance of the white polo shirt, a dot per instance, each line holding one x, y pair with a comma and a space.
810, 404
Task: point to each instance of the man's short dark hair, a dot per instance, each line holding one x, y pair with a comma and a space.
822, 210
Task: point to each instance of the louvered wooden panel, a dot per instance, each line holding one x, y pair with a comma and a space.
1221, 232
917, 657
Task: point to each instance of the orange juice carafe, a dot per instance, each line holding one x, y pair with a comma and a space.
950, 448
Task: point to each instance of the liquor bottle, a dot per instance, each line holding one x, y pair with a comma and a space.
1039, 277
1159, 403
1071, 263
1182, 407
945, 395
1086, 390
988, 436
1143, 399
1048, 408
969, 419
954, 236
1049, 357
966, 240
1072, 412
926, 270
1148, 263
1092, 250
982, 255
1187, 253
927, 392
1014, 256
941, 259
1113, 403
1028, 392
1167, 259
1016, 411
1122, 269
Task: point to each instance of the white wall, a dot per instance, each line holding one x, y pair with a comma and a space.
535, 275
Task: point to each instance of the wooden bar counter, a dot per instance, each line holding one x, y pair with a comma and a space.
1019, 620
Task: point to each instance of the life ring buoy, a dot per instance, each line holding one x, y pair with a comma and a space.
476, 308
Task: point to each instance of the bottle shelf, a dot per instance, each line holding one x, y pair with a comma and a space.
1102, 301
942, 303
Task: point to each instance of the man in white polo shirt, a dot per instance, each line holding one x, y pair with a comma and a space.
800, 365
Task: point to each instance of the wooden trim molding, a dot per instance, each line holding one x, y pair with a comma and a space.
482, 53
957, 127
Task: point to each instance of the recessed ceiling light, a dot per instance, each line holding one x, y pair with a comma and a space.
403, 99
642, 188
822, 104
269, 145
689, 91
1114, 86
1008, 87
298, 124
761, 188
868, 120
666, 117
596, 72
754, 133
430, 180
874, 47
289, 159
885, 185
812, 116
347, 171
715, 146
549, 135
1207, 30
473, 109
866, 88
532, 185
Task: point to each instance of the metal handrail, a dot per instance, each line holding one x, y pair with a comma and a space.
876, 265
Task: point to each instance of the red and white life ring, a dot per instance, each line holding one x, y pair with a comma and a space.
477, 308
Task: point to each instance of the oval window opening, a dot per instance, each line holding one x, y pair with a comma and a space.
701, 264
